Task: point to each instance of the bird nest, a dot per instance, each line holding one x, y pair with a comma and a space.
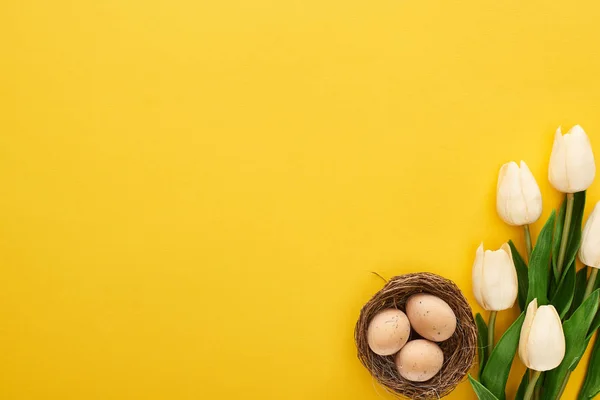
459, 350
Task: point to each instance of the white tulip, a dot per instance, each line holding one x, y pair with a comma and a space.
589, 253
542, 341
572, 168
518, 196
495, 283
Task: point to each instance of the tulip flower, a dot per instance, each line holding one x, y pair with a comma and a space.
495, 283
572, 168
589, 253
518, 198
542, 342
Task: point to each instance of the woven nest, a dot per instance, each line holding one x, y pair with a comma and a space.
459, 350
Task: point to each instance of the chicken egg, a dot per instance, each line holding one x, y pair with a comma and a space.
420, 360
388, 331
431, 317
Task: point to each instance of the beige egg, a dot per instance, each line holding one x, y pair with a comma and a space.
388, 331
431, 317
419, 360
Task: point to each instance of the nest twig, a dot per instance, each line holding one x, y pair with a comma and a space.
459, 350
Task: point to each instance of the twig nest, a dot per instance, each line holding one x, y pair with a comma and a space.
458, 350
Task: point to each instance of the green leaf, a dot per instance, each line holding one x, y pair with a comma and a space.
497, 368
580, 284
564, 293
539, 263
596, 321
594, 327
552, 284
523, 386
482, 344
522, 275
591, 384
539, 386
575, 329
575, 231
574, 239
481, 391
557, 237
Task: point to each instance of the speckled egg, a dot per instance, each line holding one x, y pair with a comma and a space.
431, 317
419, 360
388, 331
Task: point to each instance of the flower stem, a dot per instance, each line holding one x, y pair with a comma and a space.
531, 386
591, 282
564, 385
527, 241
565, 234
491, 328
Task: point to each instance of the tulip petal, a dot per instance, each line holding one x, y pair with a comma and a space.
532, 195
478, 276
500, 286
589, 253
502, 193
546, 341
581, 167
511, 277
525, 331
510, 202
557, 169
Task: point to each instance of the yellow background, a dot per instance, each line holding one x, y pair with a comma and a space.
193, 193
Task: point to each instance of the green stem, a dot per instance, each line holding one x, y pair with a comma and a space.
531, 386
527, 241
564, 385
565, 234
491, 328
591, 282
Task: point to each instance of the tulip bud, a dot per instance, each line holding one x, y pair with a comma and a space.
495, 284
589, 253
572, 168
542, 341
518, 197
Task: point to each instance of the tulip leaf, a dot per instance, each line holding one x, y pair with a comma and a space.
594, 327
497, 367
522, 275
523, 386
575, 330
481, 391
596, 321
591, 384
552, 284
576, 228
539, 263
580, 284
564, 293
574, 239
557, 236
482, 338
